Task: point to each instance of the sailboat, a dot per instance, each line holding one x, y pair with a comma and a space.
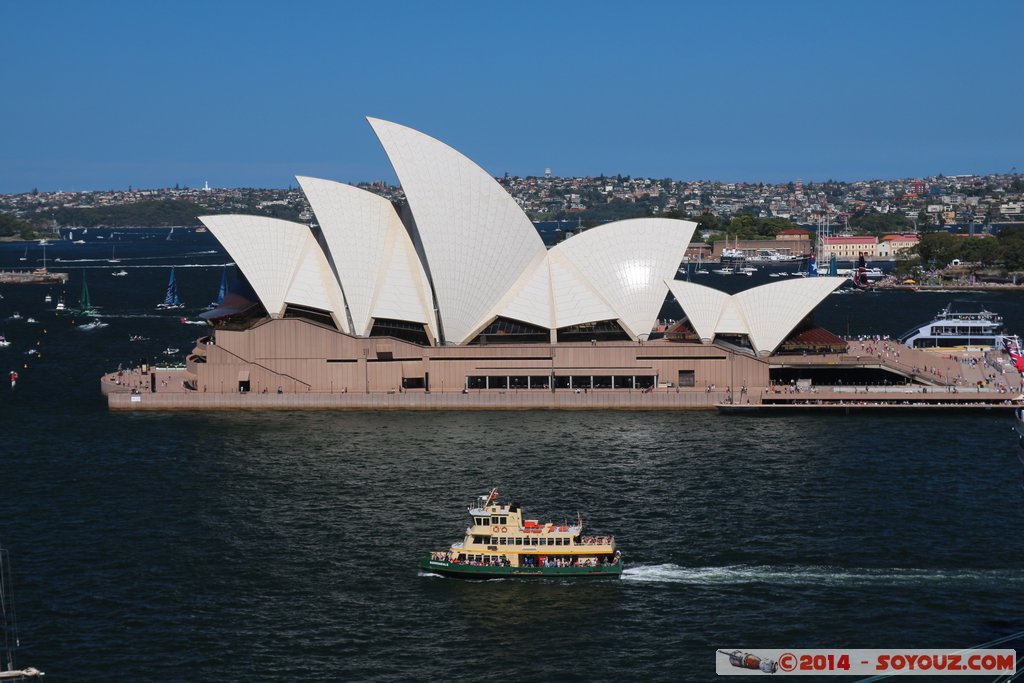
25, 257
169, 234
171, 299
701, 270
8, 619
84, 304
222, 290
113, 255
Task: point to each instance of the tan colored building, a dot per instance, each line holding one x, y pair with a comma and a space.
457, 293
784, 245
892, 245
849, 248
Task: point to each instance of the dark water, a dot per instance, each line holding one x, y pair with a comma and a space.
248, 546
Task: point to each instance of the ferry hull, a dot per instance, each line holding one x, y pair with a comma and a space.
466, 571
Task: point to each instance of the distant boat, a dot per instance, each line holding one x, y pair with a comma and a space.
169, 234
113, 255
94, 325
8, 621
84, 303
171, 299
25, 257
120, 273
223, 290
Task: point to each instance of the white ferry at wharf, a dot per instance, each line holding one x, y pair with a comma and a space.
951, 330
500, 543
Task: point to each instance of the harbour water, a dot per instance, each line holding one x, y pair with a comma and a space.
245, 546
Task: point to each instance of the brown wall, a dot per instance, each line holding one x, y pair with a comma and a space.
302, 357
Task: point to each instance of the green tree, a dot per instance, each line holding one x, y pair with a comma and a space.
938, 247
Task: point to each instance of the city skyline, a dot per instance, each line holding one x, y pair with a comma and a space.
251, 96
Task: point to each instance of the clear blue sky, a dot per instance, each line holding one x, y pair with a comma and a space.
100, 95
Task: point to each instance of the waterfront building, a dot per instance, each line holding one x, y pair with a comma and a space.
849, 247
455, 291
792, 244
891, 245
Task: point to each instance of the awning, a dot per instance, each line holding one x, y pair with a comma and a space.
243, 375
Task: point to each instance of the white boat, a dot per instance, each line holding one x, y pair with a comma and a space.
94, 325
951, 330
60, 306
8, 621
120, 273
16, 316
722, 271
47, 299
170, 351
31, 321
3, 342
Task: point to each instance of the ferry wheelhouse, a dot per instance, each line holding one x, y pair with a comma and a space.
500, 542
950, 330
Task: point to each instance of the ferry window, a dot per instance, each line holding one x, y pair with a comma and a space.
519, 540
502, 540
558, 541
494, 520
504, 520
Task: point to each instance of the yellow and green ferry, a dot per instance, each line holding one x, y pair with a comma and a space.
501, 543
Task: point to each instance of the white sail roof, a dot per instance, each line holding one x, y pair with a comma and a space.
773, 310
627, 263
282, 261
476, 240
702, 305
766, 314
374, 257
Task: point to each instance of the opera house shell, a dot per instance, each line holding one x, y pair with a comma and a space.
456, 291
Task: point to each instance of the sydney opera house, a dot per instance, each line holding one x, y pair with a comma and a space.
455, 291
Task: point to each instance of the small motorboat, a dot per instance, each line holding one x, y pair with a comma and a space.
3, 342
120, 273
31, 321
137, 338
94, 325
48, 299
170, 351
16, 316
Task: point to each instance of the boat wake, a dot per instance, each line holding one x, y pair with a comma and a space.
155, 265
796, 576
